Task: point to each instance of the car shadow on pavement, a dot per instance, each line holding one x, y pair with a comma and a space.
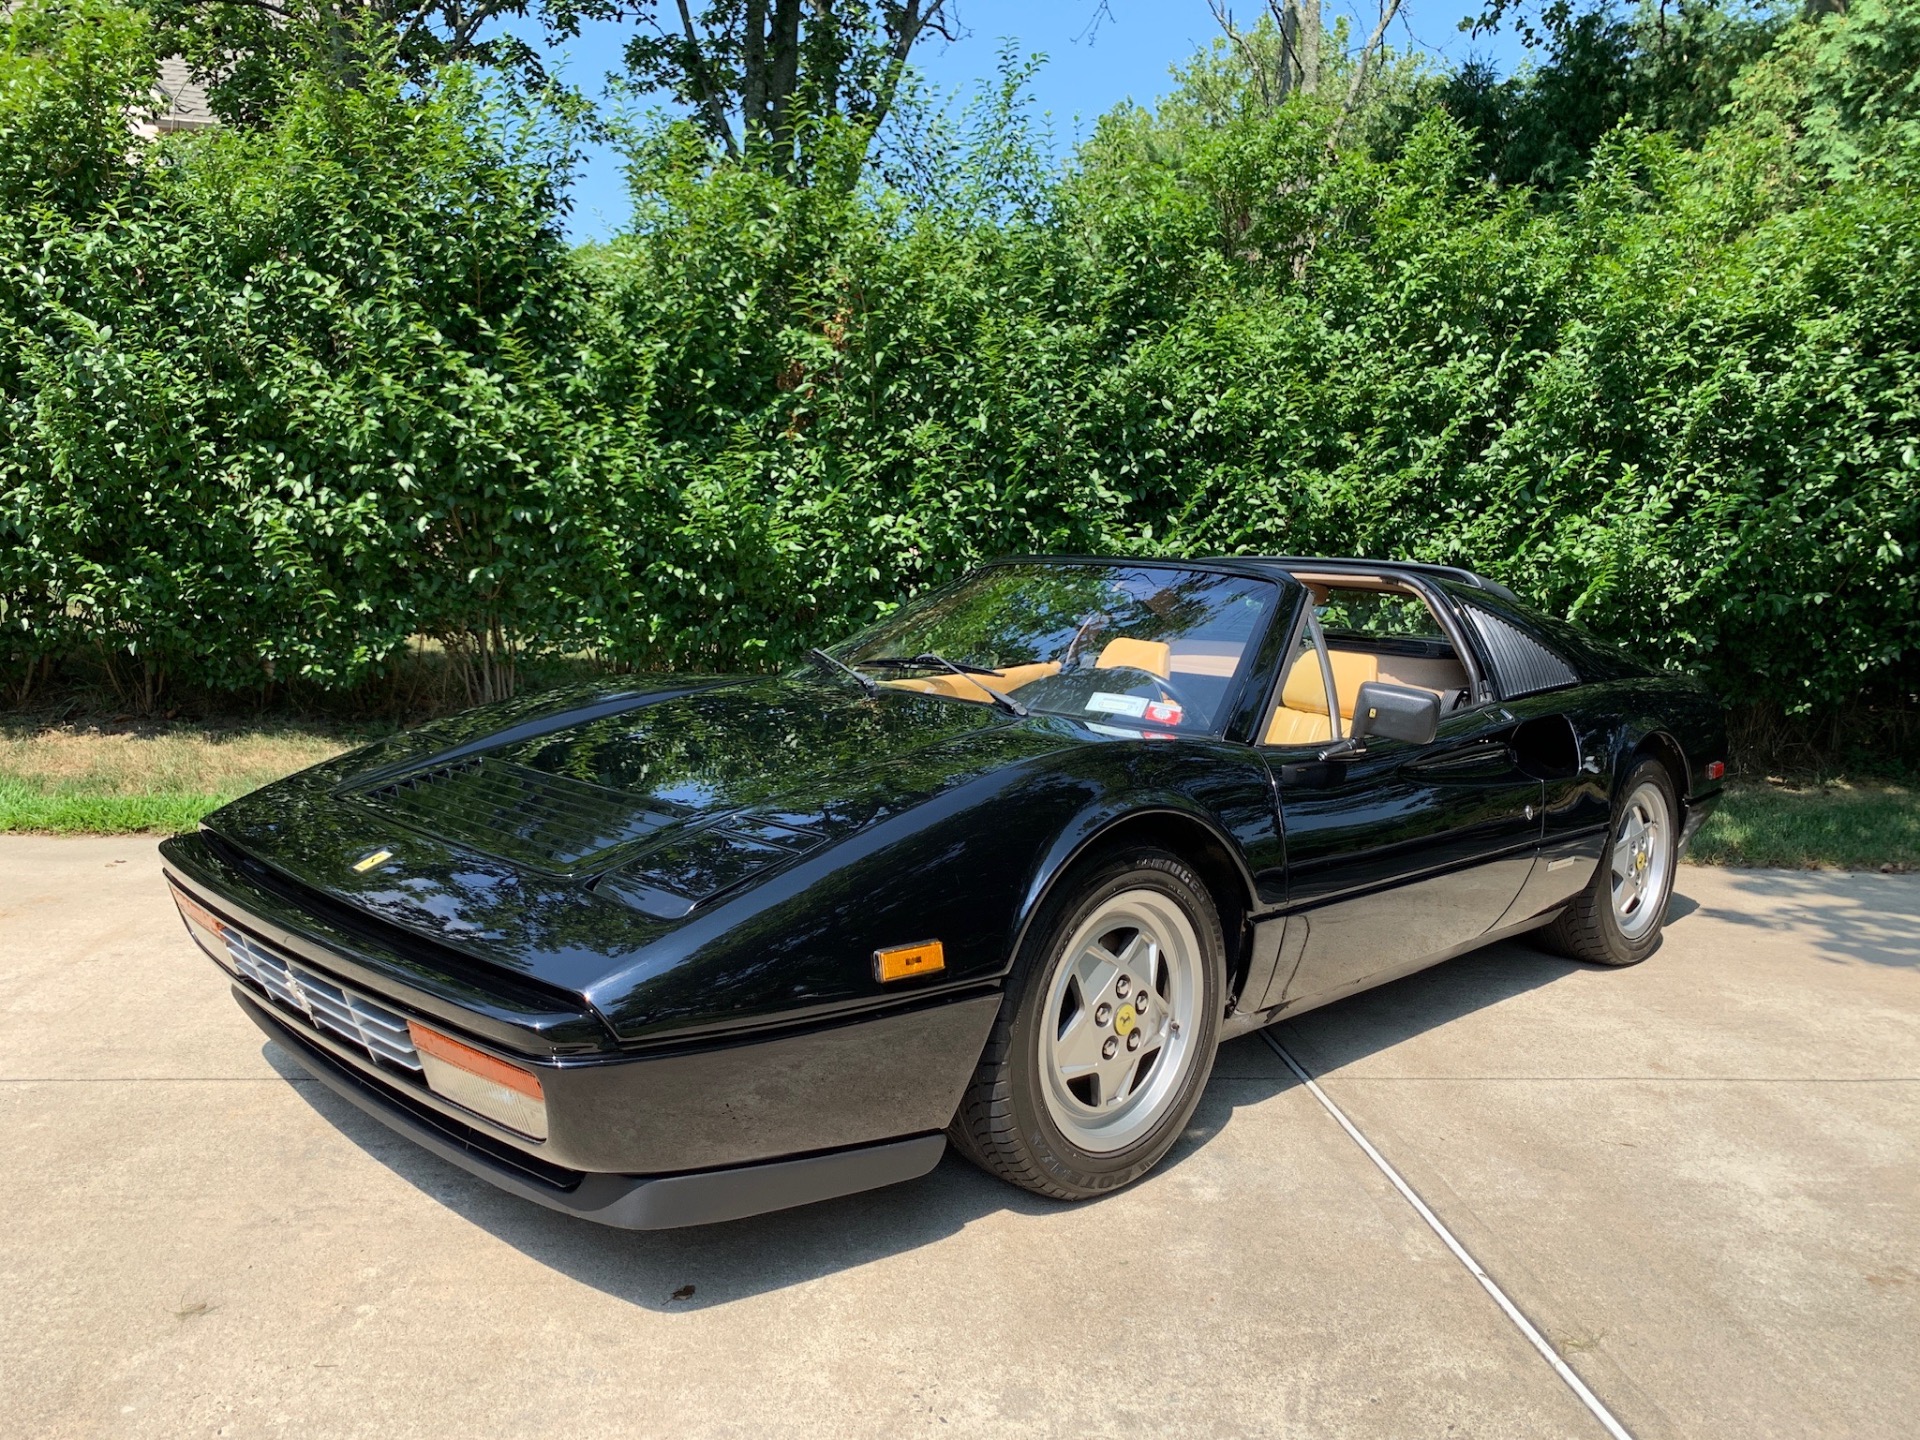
691, 1269
1843, 915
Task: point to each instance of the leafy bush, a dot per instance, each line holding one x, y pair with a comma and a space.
276, 400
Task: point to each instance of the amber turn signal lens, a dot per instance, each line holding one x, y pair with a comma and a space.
208, 929
903, 962
504, 1093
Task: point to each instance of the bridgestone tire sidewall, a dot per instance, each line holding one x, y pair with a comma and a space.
1061, 1161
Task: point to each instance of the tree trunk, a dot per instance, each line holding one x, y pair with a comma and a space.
1309, 31
753, 68
1289, 51
783, 74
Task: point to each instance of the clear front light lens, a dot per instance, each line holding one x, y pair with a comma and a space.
208, 929
506, 1094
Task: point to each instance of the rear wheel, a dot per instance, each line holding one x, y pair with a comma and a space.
1107, 1034
1617, 919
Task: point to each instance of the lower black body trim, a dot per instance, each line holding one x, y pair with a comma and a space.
627, 1202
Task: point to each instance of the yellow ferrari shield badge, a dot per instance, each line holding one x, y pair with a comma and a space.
1124, 1022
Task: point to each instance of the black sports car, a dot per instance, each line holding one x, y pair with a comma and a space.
1005, 869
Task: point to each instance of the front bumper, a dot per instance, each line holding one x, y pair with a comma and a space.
662, 1136
628, 1202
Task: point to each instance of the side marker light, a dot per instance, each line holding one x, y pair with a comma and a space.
903, 962
1715, 769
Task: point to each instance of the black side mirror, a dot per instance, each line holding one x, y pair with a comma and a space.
1395, 712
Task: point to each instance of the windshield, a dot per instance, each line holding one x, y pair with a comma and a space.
1146, 647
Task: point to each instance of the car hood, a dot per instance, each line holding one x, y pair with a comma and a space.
557, 839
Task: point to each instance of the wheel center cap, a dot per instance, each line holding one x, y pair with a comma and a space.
1124, 1022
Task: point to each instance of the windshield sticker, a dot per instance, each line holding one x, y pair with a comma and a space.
1164, 712
1107, 703
1114, 730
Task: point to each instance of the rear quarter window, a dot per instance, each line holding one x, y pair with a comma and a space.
1579, 655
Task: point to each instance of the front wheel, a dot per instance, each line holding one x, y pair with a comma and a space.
1107, 1034
1617, 919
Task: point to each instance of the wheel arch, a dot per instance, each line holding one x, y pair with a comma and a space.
1660, 745
1193, 838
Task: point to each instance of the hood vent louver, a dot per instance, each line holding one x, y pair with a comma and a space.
681, 873
519, 813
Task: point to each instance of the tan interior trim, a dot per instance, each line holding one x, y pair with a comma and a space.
1149, 655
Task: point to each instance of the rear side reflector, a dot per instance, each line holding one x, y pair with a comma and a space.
903, 962
208, 929
1715, 769
506, 1094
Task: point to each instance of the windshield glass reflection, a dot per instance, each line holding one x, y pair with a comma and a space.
1143, 646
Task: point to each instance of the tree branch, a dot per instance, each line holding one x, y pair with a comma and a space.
1388, 9
911, 21
1223, 17
705, 93
247, 4
470, 27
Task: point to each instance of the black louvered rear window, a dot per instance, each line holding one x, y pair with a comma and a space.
1521, 664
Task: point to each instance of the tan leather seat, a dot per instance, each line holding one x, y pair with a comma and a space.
1153, 656
1301, 716
961, 688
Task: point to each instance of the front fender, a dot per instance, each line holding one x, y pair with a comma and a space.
968, 862
1224, 793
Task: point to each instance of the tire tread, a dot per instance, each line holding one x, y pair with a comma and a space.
985, 1128
1585, 930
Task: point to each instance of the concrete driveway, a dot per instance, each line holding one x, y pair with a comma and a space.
1699, 1179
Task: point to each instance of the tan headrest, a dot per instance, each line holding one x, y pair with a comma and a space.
1149, 655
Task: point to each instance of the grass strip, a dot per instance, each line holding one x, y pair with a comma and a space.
1847, 826
158, 779
26, 809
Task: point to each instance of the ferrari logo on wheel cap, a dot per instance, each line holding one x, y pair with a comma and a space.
1125, 1020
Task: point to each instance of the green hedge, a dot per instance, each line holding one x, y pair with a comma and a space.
273, 401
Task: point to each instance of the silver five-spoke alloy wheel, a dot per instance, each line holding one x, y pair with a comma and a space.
1642, 860
1118, 1030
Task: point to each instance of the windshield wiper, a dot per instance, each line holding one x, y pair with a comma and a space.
865, 682
960, 668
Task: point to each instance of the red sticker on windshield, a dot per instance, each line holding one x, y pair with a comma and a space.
1164, 712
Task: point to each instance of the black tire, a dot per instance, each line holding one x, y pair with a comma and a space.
1003, 1124
1589, 929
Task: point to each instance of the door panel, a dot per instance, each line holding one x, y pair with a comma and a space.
1578, 809
1406, 852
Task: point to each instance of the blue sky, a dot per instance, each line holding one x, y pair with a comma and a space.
1086, 74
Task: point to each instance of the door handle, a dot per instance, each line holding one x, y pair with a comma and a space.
1478, 752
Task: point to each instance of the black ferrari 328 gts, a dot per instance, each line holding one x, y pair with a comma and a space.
1003, 870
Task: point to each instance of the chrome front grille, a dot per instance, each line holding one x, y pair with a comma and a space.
326, 1005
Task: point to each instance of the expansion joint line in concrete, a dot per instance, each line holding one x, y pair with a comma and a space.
1508, 1308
